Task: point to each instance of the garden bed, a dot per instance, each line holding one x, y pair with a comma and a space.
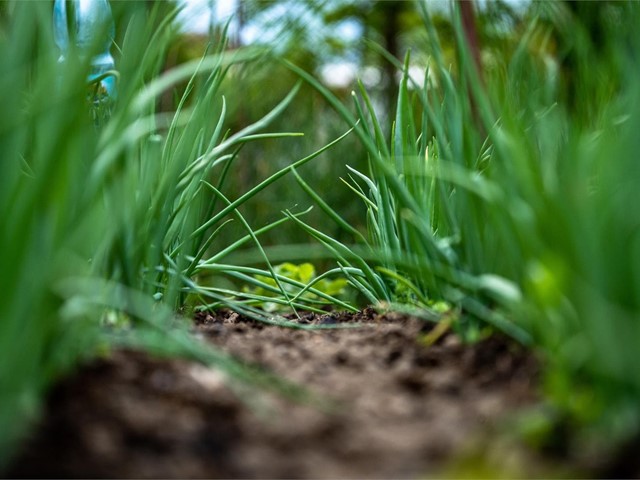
391, 406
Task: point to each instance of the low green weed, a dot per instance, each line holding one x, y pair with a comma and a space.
301, 282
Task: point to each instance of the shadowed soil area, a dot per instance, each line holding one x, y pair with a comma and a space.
399, 408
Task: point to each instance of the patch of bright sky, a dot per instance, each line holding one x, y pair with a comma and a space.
272, 23
281, 20
197, 15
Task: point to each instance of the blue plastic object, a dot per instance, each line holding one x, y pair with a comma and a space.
76, 27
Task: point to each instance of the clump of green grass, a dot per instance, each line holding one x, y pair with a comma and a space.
499, 198
108, 231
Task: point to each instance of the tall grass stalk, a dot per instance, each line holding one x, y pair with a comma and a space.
109, 228
498, 198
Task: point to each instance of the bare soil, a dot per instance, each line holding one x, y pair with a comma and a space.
400, 408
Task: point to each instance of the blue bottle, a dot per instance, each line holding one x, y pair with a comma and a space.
76, 23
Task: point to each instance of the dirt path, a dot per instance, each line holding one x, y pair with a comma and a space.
404, 408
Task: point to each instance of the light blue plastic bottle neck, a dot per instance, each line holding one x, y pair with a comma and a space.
76, 23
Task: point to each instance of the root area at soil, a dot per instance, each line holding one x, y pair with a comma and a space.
399, 408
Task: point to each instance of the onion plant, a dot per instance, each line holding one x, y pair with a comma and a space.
495, 196
108, 229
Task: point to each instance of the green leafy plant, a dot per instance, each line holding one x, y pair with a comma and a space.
303, 274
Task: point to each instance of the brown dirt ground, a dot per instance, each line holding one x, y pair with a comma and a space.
403, 409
